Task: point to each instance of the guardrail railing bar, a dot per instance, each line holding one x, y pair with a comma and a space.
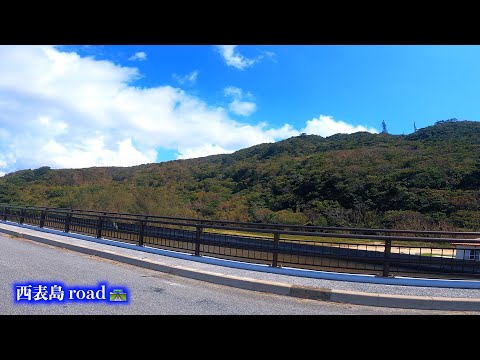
59, 217
433, 232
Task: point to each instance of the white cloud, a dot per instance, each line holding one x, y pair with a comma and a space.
122, 153
140, 56
186, 79
284, 132
237, 106
233, 58
243, 108
202, 150
326, 126
69, 111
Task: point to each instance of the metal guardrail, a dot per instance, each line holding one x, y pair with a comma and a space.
382, 252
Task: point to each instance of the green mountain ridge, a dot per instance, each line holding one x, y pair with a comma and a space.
429, 179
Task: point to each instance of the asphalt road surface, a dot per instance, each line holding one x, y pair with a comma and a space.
150, 292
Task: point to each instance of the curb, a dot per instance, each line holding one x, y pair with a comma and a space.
305, 292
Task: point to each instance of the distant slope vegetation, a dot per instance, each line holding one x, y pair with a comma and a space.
426, 180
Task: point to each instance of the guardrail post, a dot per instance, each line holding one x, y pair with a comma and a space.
5, 213
142, 230
42, 219
276, 240
198, 233
22, 216
67, 222
386, 258
99, 227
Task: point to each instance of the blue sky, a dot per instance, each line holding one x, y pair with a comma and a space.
81, 106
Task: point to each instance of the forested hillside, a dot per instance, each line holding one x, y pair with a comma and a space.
426, 180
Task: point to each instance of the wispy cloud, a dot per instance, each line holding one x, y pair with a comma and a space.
190, 78
271, 55
138, 56
233, 58
233, 91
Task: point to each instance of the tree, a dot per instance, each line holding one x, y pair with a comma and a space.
446, 121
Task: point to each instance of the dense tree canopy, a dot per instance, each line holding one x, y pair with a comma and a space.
429, 179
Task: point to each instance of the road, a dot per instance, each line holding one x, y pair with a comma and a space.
150, 292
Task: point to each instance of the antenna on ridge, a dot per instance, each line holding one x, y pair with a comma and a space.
384, 127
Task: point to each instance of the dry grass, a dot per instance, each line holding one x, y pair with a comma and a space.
373, 243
